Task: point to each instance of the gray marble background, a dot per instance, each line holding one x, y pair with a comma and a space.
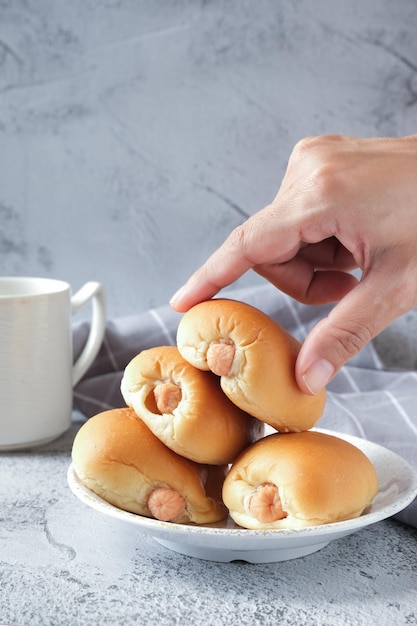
135, 134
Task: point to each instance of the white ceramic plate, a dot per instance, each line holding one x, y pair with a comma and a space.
226, 542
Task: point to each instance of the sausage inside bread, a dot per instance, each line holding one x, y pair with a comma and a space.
186, 408
116, 456
296, 480
255, 359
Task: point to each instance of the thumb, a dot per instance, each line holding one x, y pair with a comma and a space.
366, 310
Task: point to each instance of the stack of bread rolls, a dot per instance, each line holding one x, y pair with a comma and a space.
190, 445
165, 455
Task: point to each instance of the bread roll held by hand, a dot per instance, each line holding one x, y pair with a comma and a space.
186, 408
116, 455
294, 480
255, 358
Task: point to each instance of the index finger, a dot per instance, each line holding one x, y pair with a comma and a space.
257, 241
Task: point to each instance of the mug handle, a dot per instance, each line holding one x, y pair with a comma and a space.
93, 291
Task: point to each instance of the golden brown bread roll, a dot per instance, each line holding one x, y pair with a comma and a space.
115, 455
186, 408
255, 358
294, 480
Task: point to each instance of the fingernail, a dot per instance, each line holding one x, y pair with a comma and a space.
318, 375
177, 295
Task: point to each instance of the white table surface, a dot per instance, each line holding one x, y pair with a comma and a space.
63, 563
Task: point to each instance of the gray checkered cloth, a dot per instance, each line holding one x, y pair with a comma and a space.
364, 400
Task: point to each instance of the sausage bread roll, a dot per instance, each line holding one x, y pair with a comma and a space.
186, 408
116, 455
294, 480
255, 359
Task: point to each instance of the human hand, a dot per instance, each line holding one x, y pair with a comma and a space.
344, 203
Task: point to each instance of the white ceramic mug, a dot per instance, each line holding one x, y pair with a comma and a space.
37, 374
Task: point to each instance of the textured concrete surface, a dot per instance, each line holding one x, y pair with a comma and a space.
61, 563
134, 135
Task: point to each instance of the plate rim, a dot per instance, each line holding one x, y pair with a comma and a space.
160, 528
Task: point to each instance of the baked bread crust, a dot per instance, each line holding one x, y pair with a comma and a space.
260, 378
116, 456
198, 422
318, 478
